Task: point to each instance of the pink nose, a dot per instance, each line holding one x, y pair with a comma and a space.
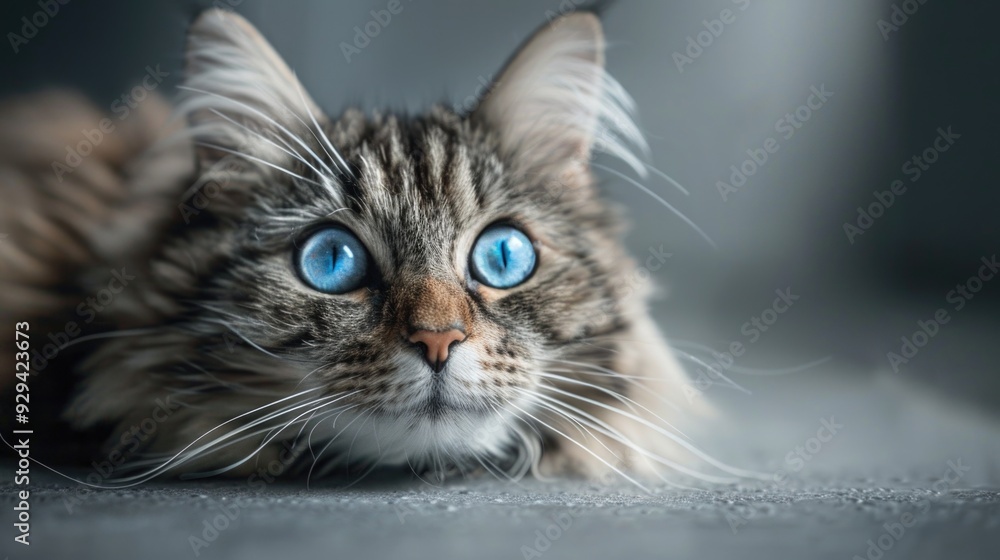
437, 344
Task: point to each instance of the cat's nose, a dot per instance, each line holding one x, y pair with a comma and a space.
437, 343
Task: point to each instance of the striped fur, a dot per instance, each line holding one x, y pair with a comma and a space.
219, 324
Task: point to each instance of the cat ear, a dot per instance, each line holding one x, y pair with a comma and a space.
240, 95
553, 104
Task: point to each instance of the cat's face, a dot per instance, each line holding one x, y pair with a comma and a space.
423, 273
425, 191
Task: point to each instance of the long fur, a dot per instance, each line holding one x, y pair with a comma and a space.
563, 374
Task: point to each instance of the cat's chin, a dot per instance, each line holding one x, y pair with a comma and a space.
430, 420
422, 438
462, 391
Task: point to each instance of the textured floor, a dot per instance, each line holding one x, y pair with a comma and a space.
911, 473
493, 520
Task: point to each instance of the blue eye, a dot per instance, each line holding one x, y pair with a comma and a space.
503, 257
333, 261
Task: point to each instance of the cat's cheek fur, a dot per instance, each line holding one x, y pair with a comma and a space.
227, 332
659, 400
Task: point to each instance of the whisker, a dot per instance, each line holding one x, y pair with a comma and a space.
350, 448
667, 179
243, 388
267, 440
186, 456
625, 441
140, 479
623, 399
327, 446
661, 201
221, 442
319, 422
576, 423
584, 447
752, 371
113, 334
673, 437
267, 119
247, 340
260, 161
614, 373
288, 150
325, 142
609, 431
699, 361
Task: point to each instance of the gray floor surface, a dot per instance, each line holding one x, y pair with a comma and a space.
488, 519
878, 489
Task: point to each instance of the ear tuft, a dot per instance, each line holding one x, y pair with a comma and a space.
554, 104
239, 91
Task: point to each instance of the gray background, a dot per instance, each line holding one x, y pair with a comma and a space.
783, 229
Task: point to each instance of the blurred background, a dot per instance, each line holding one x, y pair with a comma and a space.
844, 94
840, 97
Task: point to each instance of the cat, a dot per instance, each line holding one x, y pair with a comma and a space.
441, 292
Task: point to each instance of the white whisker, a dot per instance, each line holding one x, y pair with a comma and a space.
714, 370
286, 149
667, 179
585, 448
325, 142
267, 119
260, 161
676, 212
609, 431
673, 437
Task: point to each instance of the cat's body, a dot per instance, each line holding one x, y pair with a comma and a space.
219, 340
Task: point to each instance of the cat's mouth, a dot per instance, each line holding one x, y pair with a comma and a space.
438, 404
455, 390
